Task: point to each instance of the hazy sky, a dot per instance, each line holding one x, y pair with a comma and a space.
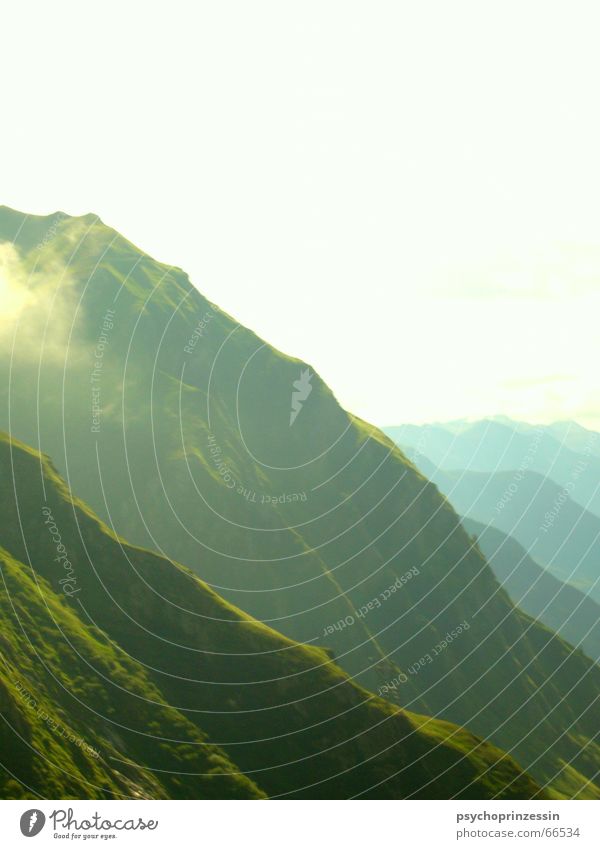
404, 194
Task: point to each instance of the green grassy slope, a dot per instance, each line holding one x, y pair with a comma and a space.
81, 720
181, 439
137, 659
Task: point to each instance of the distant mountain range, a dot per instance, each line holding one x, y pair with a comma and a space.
555, 531
569, 612
531, 530
564, 452
190, 436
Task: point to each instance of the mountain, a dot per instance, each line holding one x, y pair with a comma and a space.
191, 436
564, 452
563, 608
555, 531
577, 438
119, 667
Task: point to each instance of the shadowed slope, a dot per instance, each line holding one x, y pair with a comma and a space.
174, 424
106, 637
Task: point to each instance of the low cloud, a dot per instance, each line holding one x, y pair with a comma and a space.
37, 304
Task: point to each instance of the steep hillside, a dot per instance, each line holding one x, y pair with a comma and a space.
555, 531
569, 612
81, 720
99, 639
190, 435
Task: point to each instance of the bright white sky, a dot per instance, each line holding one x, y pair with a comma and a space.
404, 194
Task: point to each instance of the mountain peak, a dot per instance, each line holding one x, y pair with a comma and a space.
28, 231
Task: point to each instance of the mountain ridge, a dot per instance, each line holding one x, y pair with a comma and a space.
431, 757
567, 454
367, 519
